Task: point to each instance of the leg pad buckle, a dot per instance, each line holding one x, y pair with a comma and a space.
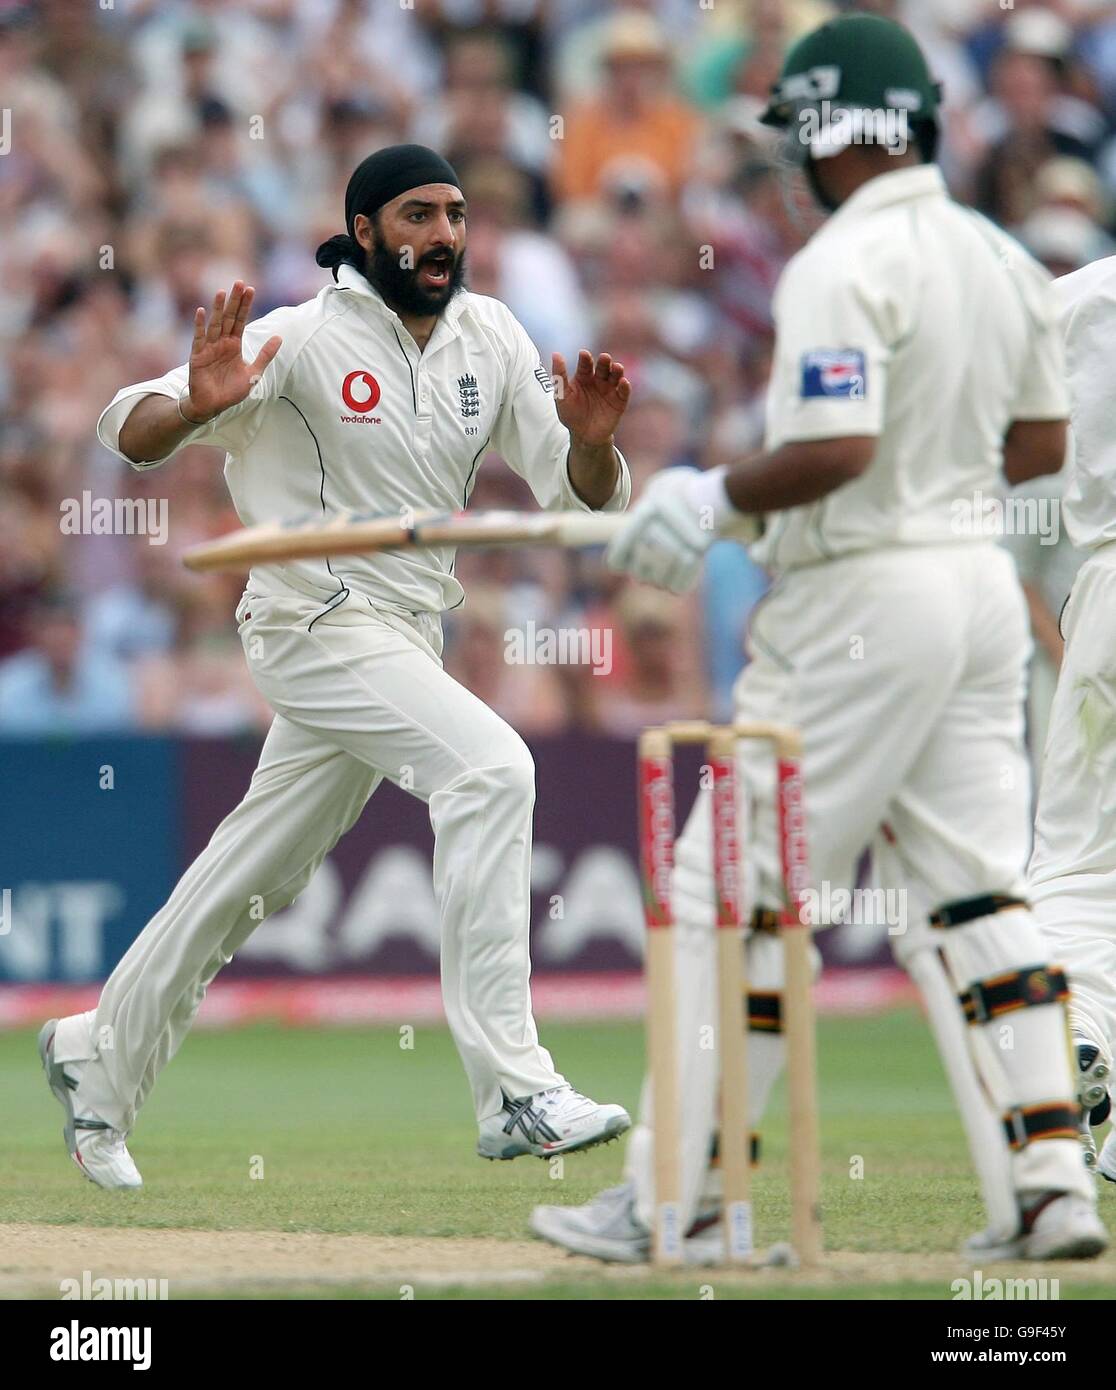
1027, 1124
1025, 988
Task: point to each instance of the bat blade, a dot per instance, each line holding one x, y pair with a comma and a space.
353, 534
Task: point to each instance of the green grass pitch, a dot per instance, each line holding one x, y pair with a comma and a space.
355, 1134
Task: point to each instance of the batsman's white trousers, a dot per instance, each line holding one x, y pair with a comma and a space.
1073, 867
904, 670
359, 695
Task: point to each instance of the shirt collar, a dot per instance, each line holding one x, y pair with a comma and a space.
349, 278
899, 186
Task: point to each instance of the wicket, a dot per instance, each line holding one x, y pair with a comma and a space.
657, 830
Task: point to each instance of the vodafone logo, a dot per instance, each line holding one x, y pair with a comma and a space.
361, 392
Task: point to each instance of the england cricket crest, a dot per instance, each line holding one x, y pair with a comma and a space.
470, 397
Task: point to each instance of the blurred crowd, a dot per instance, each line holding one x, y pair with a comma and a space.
622, 195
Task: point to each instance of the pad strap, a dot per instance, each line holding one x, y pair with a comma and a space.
766, 919
969, 909
1018, 989
753, 1150
765, 1011
1028, 1123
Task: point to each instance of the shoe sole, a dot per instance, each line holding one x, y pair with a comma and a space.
596, 1248
1092, 1089
618, 1125
1080, 1247
1083, 1246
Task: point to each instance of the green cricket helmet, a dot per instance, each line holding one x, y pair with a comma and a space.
858, 79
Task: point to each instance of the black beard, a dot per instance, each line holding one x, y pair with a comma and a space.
400, 288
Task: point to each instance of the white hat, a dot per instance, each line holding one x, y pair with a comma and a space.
1060, 235
1040, 32
1066, 179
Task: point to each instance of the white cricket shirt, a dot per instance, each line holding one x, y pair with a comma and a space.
912, 319
351, 415
1087, 301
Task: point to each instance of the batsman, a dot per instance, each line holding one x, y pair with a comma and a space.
917, 365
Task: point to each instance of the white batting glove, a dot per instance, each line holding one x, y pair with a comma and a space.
680, 515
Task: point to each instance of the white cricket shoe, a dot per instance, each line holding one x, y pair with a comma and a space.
608, 1229
556, 1121
1094, 1073
97, 1149
1058, 1226
1088, 1143
605, 1228
1106, 1162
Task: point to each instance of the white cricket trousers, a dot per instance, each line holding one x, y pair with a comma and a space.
359, 695
904, 670
1073, 867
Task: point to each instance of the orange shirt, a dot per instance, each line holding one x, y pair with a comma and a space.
599, 140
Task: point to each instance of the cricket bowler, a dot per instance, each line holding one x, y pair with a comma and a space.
381, 395
917, 358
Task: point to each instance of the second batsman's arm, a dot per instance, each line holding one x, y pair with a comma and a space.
824, 427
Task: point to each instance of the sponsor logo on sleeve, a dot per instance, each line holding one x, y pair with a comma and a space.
838, 372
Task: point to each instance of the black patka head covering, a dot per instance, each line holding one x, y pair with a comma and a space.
376, 181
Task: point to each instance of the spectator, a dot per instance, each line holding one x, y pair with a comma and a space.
531, 272
656, 676
479, 110
1070, 183
200, 687
732, 584
58, 685
754, 230
1064, 240
1031, 113
136, 618
638, 133
654, 434
484, 656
